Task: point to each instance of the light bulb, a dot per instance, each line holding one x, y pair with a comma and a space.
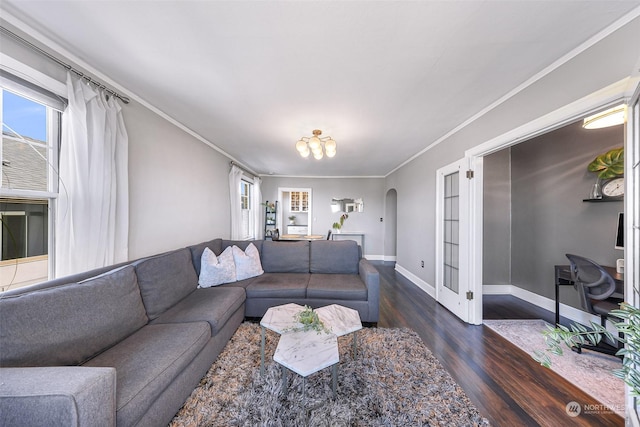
318, 155
301, 146
314, 142
331, 153
330, 145
305, 153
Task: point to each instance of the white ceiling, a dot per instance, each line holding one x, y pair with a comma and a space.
384, 78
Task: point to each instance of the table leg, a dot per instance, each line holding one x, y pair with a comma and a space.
284, 380
334, 379
355, 345
262, 352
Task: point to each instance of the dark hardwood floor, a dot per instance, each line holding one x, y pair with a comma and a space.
507, 386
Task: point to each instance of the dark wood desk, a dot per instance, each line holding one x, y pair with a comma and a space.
563, 278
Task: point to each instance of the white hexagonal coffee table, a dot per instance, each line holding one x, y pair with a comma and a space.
279, 319
341, 321
307, 352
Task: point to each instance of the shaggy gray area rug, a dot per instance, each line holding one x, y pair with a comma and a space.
394, 381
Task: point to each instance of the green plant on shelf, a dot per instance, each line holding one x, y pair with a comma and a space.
609, 164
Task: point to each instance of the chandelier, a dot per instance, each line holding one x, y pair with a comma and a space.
315, 145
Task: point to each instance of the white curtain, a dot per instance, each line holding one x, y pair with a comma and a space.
92, 221
258, 229
235, 176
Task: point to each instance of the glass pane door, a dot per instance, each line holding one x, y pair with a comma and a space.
451, 235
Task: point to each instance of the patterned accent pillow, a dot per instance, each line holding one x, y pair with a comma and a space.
247, 262
216, 270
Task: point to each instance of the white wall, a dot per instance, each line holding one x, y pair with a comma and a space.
371, 190
608, 61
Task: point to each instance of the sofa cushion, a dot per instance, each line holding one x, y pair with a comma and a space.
247, 262
334, 256
216, 270
165, 279
285, 257
336, 286
279, 285
148, 361
68, 324
196, 251
214, 305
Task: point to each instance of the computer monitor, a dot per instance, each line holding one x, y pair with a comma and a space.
620, 232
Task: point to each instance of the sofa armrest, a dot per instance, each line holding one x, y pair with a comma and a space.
371, 278
58, 396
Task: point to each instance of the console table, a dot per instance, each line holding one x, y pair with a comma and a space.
351, 234
563, 278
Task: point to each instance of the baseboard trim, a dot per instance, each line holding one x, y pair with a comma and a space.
430, 290
375, 257
567, 311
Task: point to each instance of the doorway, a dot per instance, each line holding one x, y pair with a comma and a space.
295, 216
390, 225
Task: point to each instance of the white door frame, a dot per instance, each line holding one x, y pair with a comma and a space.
614, 94
632, 222
281, 221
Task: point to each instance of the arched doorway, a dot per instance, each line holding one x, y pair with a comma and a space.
390, 225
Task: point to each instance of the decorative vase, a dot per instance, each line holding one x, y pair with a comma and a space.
596, 190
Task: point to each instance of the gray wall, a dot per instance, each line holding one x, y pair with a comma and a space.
371, 190
496, 232
549, 218
605, 63
178, 186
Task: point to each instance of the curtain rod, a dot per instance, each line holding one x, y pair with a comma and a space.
244, 169
124, 99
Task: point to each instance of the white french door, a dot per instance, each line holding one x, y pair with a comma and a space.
452, 238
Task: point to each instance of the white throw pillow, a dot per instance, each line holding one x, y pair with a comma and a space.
216, 270
247, 262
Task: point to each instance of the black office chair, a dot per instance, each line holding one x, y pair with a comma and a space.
329, 235
595, 286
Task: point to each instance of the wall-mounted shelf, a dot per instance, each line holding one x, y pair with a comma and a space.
602, 200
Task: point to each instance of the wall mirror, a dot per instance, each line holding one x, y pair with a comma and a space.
347, 205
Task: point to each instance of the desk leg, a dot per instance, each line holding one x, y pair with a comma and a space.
557, 303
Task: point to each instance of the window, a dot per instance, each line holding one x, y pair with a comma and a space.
246, 189
29, 146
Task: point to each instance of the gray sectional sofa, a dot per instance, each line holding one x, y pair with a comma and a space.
125, 345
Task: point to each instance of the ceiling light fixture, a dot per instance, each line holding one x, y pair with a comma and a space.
314, 144
611, 117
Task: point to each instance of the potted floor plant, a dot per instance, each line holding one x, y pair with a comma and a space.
629, 328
